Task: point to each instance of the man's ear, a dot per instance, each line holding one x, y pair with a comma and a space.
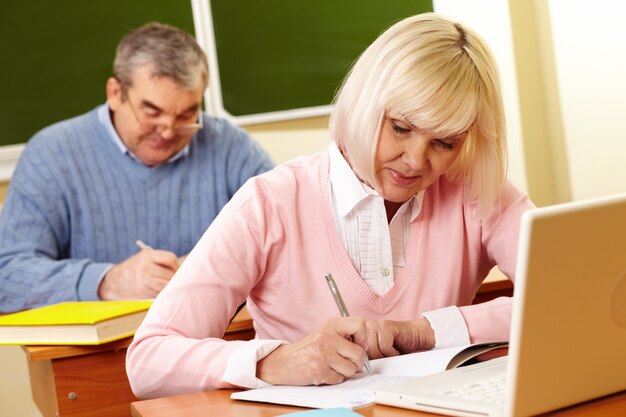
114, 93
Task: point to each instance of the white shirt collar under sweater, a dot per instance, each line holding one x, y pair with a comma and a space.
104, 115
375, 247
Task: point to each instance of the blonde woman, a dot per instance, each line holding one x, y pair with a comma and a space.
408, 209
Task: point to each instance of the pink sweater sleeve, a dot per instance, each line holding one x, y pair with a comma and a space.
500, 231
178, 348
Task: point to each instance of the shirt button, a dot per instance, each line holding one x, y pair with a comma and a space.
385, 272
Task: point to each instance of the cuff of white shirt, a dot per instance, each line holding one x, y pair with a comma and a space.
449, 327
241, 364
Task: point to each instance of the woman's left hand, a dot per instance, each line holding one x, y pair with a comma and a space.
392, 338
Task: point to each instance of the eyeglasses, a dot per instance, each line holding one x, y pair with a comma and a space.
151, 123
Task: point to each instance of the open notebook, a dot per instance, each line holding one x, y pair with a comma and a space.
568, 331
357, 392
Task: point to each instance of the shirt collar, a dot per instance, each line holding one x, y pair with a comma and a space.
349, 191
104, 116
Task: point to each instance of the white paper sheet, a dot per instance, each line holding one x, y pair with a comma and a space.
358, 391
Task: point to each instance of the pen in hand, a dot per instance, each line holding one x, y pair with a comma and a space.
343, 310
143, 246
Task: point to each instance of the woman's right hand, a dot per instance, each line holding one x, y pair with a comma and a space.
329, 356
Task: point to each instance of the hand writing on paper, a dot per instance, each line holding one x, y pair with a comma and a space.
325, 357
142, 275
392, 338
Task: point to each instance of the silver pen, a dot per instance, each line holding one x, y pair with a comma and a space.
142, 245
343, 310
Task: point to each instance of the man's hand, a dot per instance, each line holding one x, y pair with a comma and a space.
392, 338
326, 357
143, 275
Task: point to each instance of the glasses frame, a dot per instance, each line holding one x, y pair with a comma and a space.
161, 127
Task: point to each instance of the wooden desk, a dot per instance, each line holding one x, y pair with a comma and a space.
75, 381
218, 403
91, 380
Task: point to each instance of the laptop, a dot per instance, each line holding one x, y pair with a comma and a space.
568, 329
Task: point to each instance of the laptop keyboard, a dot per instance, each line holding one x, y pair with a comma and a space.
489, 390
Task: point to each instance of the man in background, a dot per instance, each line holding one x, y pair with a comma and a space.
147, 166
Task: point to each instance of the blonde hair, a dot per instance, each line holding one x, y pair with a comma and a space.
441, 76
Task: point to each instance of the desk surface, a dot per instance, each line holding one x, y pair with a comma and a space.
218, 403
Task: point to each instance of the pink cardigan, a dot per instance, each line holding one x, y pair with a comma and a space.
272, 245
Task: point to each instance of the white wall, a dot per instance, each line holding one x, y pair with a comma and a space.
15, 396
290, 139
590, 59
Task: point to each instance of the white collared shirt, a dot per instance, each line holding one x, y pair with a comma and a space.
376, 247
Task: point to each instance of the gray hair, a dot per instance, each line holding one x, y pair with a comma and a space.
441, 75
172, 53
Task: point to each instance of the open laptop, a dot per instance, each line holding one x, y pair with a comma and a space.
568, 330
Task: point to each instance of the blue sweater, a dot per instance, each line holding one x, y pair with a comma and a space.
77, 204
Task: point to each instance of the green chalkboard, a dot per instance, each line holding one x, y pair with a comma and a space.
277, 55
57, 55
